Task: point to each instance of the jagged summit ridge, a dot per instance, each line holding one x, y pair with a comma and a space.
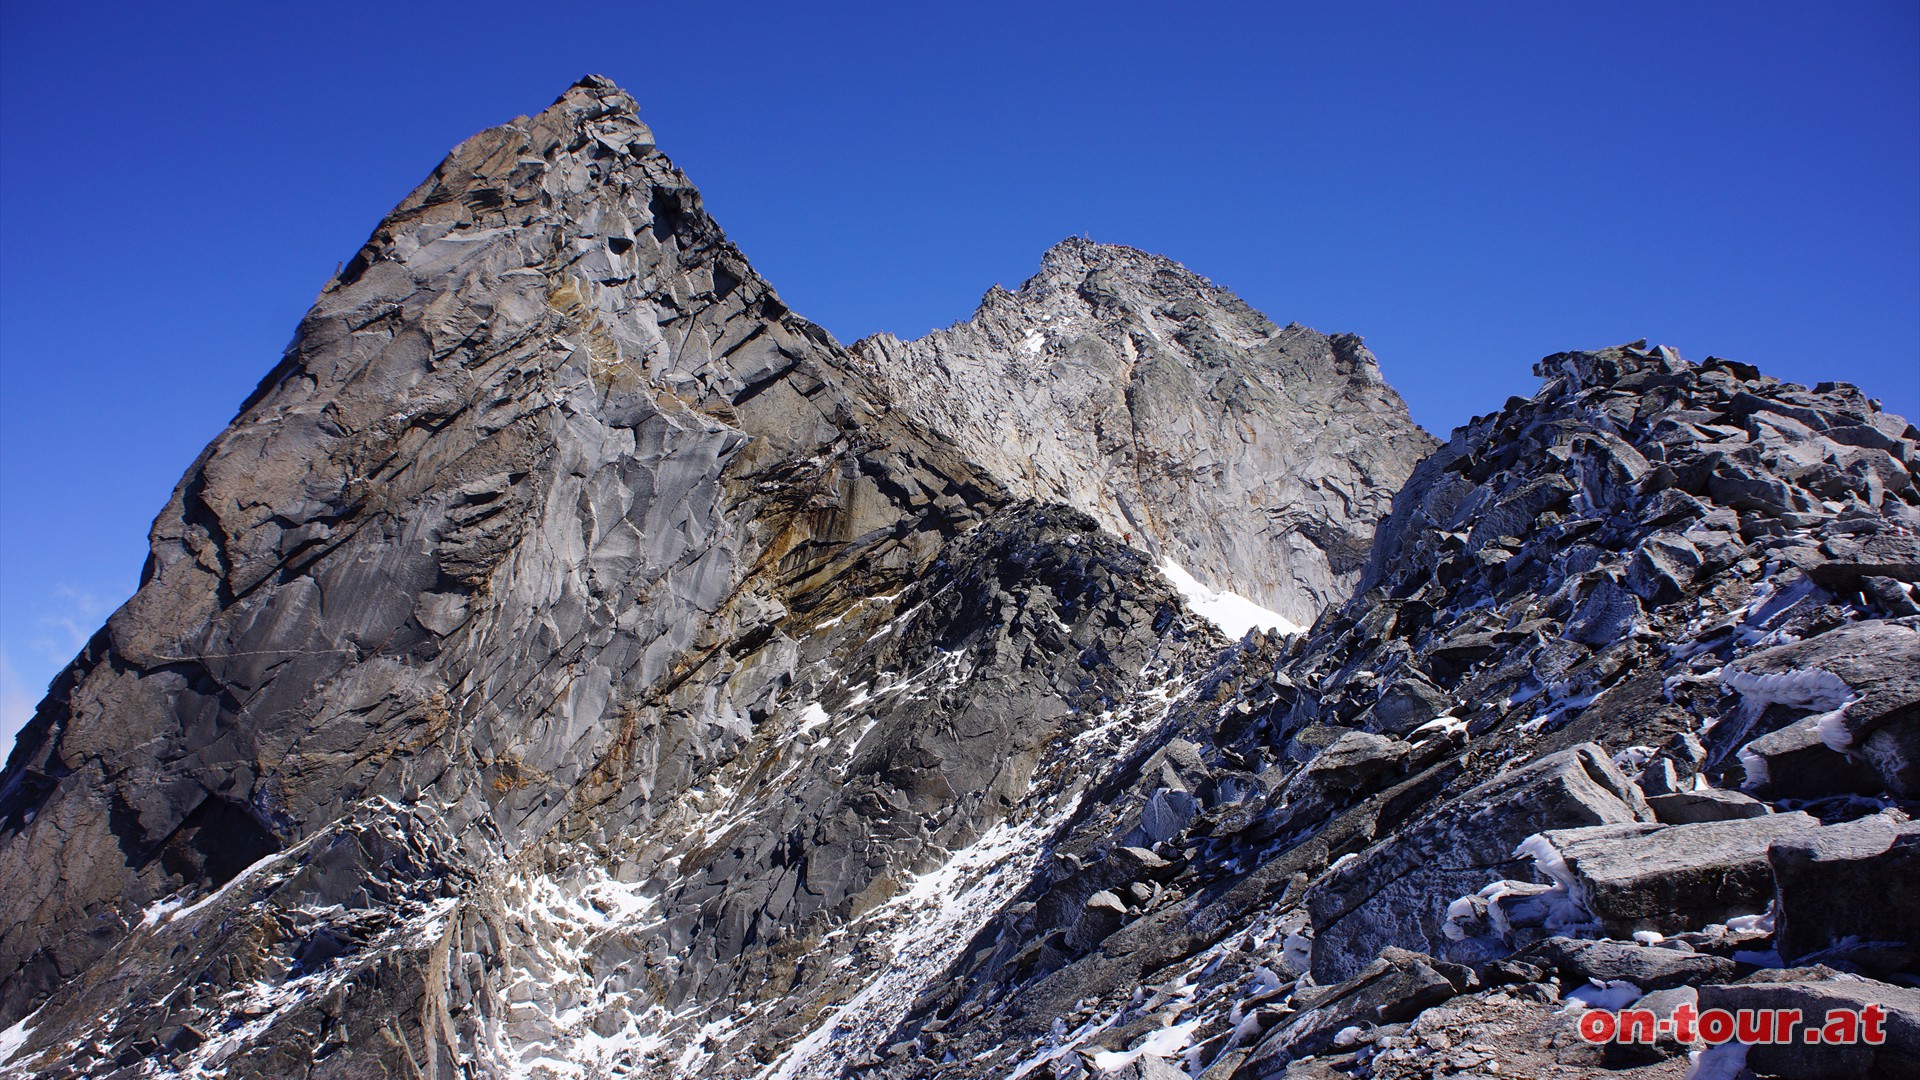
1126, 385
1626, 694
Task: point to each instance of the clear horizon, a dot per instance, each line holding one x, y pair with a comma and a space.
1467, 189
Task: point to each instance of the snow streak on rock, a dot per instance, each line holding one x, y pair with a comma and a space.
1232, 613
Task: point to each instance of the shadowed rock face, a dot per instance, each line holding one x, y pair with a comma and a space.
516, 545
1256, 456
571, 663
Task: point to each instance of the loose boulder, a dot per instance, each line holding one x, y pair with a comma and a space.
1866, 678
1674, 878
1645, 966
1820, 994
1392, 988
1850, 893
1397, 893
1357, 760
1705, 804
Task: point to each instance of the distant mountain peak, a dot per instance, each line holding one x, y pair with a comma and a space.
1127, 385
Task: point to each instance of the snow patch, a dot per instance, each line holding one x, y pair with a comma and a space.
1297, 951
923, 928
1566, 902
1605, 994
1441, 726
1164, 1043
1264, 981
811, 717
15, 1037
1747, 924
1801, 688
594, 1024
1546, 859
161, 910
1633, 757
1232, 613
1723, 1062
175, 911
1832, 727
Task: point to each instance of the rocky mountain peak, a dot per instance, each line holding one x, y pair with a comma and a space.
1126, 385
513, 551
1112, 283
596, 96
1074, 257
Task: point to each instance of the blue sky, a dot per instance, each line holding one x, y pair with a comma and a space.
1470, 186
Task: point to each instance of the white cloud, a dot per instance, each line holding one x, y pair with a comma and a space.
26, 667
64, 631
16, 703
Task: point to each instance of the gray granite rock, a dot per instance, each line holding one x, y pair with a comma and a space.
1126, 385
557, 526
1394, 987
1706, 804
1647, 967
1864, 678
1853, 887
571, 659
1665, 1043
1673, 878
1816, 993
537, 523
1356, 760
1886, 555
1795, 762
1397, 893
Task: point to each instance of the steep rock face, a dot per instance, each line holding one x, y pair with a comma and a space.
518, 543
1257, 457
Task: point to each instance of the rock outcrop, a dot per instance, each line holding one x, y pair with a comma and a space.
572, 663
1257, 457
